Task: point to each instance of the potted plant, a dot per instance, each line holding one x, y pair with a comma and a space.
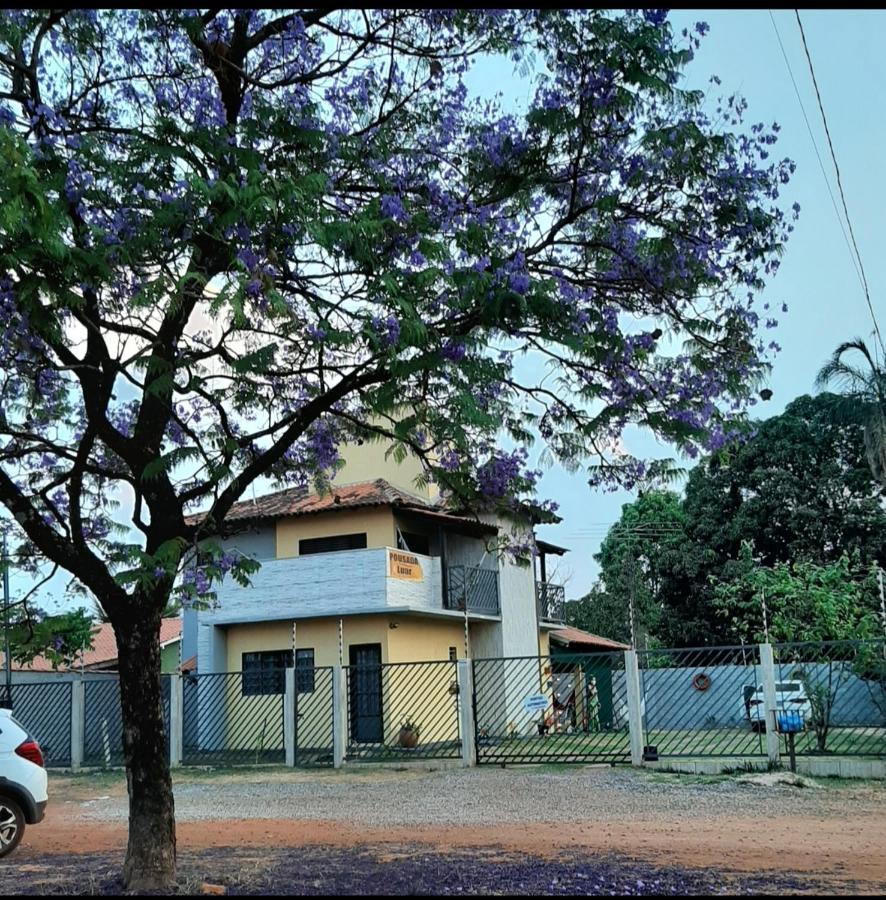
408, 736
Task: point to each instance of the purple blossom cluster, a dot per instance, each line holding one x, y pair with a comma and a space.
345, 216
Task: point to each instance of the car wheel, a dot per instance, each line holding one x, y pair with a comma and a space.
12, 825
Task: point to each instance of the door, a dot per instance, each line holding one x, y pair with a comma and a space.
366, 694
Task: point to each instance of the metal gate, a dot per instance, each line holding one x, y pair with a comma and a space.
562, 708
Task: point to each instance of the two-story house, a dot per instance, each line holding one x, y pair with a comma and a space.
376, 571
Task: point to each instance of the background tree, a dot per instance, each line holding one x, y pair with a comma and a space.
634, 557
798, 489
60, 637
863, 398
231, 240
806, 602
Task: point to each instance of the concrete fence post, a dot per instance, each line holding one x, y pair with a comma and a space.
466, 725
635, 707
339, 716
78, 722
289, 714
176, 719
767, 667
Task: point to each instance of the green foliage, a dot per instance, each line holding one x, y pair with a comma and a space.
805, 601
634, 557
59, 638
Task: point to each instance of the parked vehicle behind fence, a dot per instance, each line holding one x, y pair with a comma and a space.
790, 696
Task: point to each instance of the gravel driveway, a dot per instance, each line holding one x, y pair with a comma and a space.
488, 796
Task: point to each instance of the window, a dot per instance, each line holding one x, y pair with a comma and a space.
264, 672
331, 544
414, 543
453, 654
304, 671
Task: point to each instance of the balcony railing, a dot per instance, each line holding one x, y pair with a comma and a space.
478, 588
551, 601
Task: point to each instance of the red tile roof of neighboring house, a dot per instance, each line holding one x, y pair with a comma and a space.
104, 648
189, 665
571, 635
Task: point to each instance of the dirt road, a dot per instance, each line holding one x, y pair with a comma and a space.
830, 835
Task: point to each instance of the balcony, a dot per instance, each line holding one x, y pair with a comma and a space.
551, 599
374, 580
472, 588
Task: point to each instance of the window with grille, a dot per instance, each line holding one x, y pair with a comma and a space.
265, 672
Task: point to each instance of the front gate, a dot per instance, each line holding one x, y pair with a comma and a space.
563, 708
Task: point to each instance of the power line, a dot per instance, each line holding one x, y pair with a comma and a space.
827, 132
824, 173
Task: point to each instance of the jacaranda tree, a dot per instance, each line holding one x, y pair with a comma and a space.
232, 239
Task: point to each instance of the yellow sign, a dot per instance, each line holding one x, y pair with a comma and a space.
404, 565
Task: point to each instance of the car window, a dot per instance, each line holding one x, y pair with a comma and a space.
788, 686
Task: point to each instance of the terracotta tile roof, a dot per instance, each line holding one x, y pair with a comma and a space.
571, 635
296, 502
104, 648
189, 665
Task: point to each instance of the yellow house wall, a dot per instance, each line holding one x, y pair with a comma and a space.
544, 643
377, 523
422, 693
419, 693
245, 714
367, 461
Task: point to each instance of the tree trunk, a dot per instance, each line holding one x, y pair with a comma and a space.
150, 853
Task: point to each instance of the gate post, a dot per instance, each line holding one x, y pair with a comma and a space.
635, 711
767, 666
339, 716
78, 722
289, 711
176, 719
466, 724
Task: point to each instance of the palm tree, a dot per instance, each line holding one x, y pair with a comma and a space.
863, 398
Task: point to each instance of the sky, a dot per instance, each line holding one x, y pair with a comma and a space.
817, 278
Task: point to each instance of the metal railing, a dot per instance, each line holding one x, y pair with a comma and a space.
228, 720
313, 716
403, 711
478, 588
103, 720
44, 710
703, 702
551, 601
564, 708
834, 693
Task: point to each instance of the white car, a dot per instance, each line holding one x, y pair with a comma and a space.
22, 782
790, 696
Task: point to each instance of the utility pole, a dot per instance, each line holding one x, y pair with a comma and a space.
7, 658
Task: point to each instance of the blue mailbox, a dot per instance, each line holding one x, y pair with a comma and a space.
789, 721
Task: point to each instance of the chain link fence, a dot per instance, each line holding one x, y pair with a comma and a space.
703, 701
403, 711
834, 695
564, 708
